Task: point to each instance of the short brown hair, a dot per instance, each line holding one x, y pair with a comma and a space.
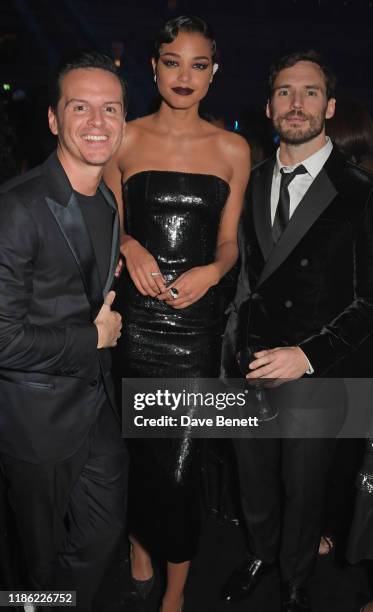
287, 61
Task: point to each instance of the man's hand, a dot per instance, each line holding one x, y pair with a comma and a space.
289, 362
108, 323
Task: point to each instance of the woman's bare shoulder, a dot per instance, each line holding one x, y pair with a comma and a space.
225, 138
232, 147
233, 141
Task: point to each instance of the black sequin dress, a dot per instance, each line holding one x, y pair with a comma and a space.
176, 217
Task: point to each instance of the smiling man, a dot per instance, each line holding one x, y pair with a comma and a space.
304, 306
60, 444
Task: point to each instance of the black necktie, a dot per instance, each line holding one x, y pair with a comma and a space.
282, 212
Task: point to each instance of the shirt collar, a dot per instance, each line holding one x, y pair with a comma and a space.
313, 164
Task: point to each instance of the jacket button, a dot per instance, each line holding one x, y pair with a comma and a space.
288, 304
93, 383
255, 296
304, 262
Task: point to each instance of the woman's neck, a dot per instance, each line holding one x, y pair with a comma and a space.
176, 120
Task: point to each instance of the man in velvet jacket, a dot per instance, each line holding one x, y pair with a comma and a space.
304, 302
60, 445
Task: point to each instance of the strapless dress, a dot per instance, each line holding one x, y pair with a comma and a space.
176, 217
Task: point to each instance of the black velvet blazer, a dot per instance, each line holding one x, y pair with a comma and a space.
314, 288
50, 293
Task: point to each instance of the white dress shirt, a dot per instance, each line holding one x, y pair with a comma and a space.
299, 185
301, 182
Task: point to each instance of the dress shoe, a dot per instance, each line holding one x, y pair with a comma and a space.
244, 579
294, 598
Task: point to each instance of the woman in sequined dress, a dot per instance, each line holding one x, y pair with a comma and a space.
182, 182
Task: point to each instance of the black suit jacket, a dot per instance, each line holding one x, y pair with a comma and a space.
50, 294
314, 288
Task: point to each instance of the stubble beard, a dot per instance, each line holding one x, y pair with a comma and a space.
298, 136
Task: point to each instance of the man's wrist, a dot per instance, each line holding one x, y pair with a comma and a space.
310, 369
100, 340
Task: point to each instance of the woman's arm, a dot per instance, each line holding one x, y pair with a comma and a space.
139, 262
238, 153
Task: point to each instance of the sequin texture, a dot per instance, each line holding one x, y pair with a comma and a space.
176, 217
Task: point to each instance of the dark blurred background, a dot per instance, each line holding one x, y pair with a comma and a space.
36, 34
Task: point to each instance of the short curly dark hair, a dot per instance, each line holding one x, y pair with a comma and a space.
194, 25
287, 61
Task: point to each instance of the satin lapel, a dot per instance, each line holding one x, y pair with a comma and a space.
315, 201
261, 203
114, 255
73, 227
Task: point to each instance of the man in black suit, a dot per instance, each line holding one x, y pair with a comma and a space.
304, 304
60, 445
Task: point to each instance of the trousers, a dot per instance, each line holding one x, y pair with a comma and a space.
70, 514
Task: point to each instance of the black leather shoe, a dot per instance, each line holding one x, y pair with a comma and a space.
244, 579
294, 598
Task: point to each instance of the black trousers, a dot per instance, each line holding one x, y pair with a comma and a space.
70, 514
283, 484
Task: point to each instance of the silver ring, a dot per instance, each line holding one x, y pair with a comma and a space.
174, 293
155, 273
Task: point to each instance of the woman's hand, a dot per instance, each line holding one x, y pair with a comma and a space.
142, 268
190, 286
